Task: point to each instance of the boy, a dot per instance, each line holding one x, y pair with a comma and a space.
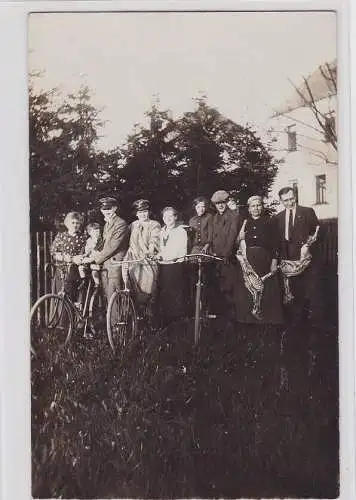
94, 242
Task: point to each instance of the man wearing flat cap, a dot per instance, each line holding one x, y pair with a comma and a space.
226, 225
115, 245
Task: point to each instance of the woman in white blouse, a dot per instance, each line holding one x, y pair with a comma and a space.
172, 283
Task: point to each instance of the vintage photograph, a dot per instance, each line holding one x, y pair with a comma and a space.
183, 188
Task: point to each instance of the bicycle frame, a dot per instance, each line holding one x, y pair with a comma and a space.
81, 315
199, 257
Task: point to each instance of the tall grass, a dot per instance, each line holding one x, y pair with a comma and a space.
249, 413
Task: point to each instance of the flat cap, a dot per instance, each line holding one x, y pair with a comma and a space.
220, 196
107, 202
141, 205
253, 198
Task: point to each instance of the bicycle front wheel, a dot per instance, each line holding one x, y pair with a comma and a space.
97, 311
198, 316
51, 323
121, 320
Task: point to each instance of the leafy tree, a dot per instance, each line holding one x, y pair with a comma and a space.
168, 161
148, 164
63, 157
43, 127
171, 162
221, 154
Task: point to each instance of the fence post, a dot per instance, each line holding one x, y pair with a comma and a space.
45, 275
38, 264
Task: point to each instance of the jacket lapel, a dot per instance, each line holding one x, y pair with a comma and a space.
282, 222
297, 218
108, 227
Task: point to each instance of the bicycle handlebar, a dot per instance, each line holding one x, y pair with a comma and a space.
190, 256
122, 262
210, 256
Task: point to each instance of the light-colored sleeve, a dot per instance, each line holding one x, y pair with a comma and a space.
88, 247
155, 237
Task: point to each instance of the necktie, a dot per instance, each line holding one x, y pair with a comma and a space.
290, 224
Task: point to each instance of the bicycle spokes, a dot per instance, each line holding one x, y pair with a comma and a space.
122, 316
121, 319
51, 321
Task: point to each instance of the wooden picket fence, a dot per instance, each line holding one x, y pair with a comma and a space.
329, 242
41, 243
40, 261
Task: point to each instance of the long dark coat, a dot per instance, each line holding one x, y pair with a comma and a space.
225, 231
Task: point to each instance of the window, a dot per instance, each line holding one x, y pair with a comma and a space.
329, 131
294, 185
292, 138
320, 189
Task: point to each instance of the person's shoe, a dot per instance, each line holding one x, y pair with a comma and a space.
89, 335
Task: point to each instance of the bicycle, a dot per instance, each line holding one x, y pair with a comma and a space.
55, 313
201, 315
121, 315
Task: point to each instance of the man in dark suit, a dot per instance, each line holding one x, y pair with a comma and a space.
294, 225
115, 245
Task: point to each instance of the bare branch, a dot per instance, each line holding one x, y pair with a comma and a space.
310, 101
305, 124
331, 78
317, 153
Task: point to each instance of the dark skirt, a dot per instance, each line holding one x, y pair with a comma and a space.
69, 283
272, 307
172, 296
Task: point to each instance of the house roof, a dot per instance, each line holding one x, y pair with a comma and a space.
321, 83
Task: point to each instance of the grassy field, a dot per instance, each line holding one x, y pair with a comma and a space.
253, 412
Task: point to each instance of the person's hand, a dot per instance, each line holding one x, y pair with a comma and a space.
205, 248
67, 258
78, 259
87, 260
226, 260
58, 256
93, 255
274, 267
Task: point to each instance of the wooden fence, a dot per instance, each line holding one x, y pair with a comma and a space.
40, 259
329, 242
41, 243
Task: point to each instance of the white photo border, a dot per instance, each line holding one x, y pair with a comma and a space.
15, 441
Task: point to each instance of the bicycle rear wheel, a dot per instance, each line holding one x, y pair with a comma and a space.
51, 322
121, 320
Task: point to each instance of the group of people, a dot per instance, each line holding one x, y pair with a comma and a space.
268, 266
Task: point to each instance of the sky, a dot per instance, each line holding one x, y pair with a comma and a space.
242, 61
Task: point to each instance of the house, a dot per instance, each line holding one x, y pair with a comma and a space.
303, 134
